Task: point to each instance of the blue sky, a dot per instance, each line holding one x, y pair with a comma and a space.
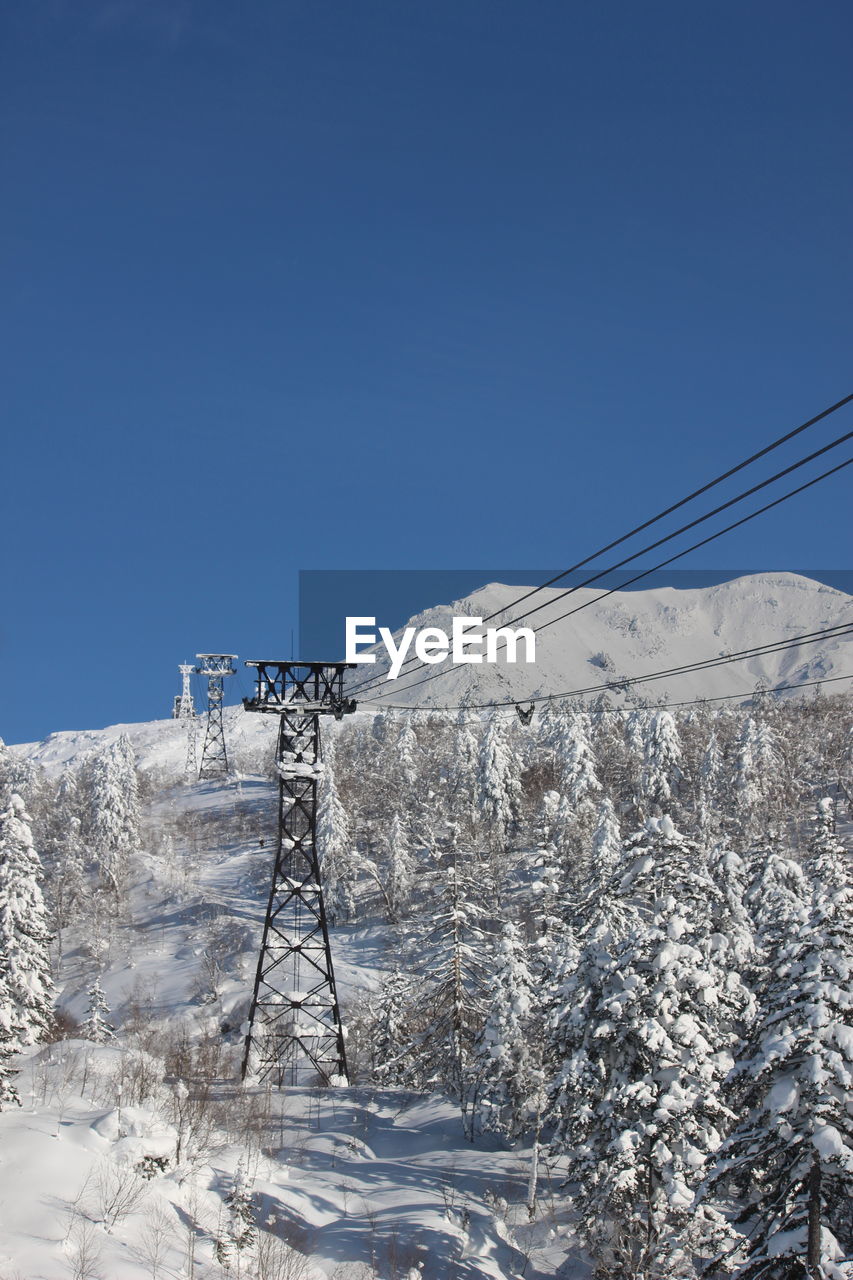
393, 285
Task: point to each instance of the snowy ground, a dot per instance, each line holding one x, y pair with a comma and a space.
357, 1181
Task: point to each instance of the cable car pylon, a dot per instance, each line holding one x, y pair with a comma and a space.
294, 1034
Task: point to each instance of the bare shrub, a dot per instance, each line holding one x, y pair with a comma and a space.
276, 1260
83, 1248
116, 1190
192, 1068
139, 1019
155, 1239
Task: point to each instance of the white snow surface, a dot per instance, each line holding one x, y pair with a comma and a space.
633, 633
345, 1175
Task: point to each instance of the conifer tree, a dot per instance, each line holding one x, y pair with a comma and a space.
239, 1232
25, 976
711, 776
662, 758
407, 753
97, 1027
606, 841
392, 1042
507, 1070
642, 1036
463, 768
788, 1164
581, 783
400, 866
500, 787
756, 776
447, 945
114, 827
335, 847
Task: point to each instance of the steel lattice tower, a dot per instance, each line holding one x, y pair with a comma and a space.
185, 712
294, 1032
214, 758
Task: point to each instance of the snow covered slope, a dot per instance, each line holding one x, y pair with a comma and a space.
631, 633
359, 1183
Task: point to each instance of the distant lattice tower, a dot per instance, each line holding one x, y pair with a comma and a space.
214, 758
185, 713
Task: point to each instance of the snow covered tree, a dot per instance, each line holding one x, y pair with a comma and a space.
335, 847
730, 914
606, 841
581, 784
26, 987
662, 758
403, 761
392, 1039
641, 1032
114, 826
637, 731
711, 777
507, 1068
96, 1027
788, 1164
399, 866
239, 1232
447, 946
500, 787
63, 853
756, 778
775, 899
462, 771
24, 937
18, 776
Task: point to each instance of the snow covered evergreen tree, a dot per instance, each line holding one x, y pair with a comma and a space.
462, 772
711, 776
26, 987
335, 847
641, 1033
114, 826
97, 1027
662, 760
239, 1232
447, 945
407, 751
606, 841
788, 1165
756, 778
500, 787
399, 866
580, 780
507, 1069
393, 1046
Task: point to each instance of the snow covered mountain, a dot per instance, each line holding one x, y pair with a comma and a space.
631, 633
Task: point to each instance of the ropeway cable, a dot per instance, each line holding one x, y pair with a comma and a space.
384, 691
668, 511
616, 685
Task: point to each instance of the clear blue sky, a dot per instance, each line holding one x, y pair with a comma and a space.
390, 284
